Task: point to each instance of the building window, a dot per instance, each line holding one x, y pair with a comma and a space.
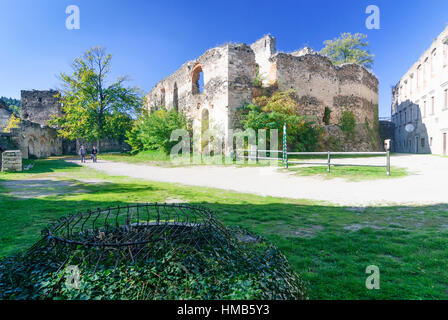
445, 103
433, 61
445, 55
424, 71
419, 76
423, 142
432, 105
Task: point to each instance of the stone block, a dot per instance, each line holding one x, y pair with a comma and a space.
12, 161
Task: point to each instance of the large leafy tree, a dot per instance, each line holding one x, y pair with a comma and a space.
93, 108
349, 48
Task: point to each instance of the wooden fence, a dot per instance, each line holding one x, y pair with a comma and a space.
254, 155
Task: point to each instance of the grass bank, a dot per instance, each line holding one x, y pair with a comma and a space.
351, 173
330, 246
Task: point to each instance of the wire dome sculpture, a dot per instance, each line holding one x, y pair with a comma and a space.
152, 236
136, 232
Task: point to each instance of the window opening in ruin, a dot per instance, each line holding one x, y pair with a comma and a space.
205, 123
162, 99
175, 98
197, 79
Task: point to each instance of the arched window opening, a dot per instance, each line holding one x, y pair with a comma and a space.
43, 147
175, 98
197, 79
205, 123
162, 98
31, 148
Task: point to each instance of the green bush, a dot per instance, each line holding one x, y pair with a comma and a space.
272, 112
327, 115
347, 123
153, 131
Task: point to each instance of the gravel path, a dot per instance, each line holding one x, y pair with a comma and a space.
427, 184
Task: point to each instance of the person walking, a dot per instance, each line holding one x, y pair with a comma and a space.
82, 153
94, 153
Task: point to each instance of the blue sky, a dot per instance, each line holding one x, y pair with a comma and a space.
151, 39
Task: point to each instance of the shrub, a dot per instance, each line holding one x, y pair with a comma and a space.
327, 115
347, 123
272, 112
153, 131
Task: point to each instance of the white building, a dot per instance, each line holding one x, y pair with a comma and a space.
420, 103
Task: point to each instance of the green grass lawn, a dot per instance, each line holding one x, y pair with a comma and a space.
157, 157
152, 156
351, 173
329, 246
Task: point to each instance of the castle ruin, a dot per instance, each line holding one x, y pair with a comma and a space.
229, 72
34, 137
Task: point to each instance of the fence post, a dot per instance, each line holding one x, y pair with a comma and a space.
253, 150
329, 161
388, 163
285, 147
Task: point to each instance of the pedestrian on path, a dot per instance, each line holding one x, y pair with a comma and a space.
94, 153
82, 153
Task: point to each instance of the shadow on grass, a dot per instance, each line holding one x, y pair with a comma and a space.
49, 165
329, 246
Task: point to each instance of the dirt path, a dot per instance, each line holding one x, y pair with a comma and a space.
428, 183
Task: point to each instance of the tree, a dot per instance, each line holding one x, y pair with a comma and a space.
348, 48
153, 131
93, 109
13, 123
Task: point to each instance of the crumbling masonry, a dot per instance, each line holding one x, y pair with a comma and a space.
34, 137
229, 73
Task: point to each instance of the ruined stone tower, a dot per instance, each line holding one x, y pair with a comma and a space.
39, 106
229, 71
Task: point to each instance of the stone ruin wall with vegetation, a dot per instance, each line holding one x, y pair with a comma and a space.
230, 74
39, 106
5, 114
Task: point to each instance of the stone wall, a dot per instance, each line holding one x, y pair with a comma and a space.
39, 106
11, 161
229, 73
36, 141
316, 80
180, 90
264, 49
5, 114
